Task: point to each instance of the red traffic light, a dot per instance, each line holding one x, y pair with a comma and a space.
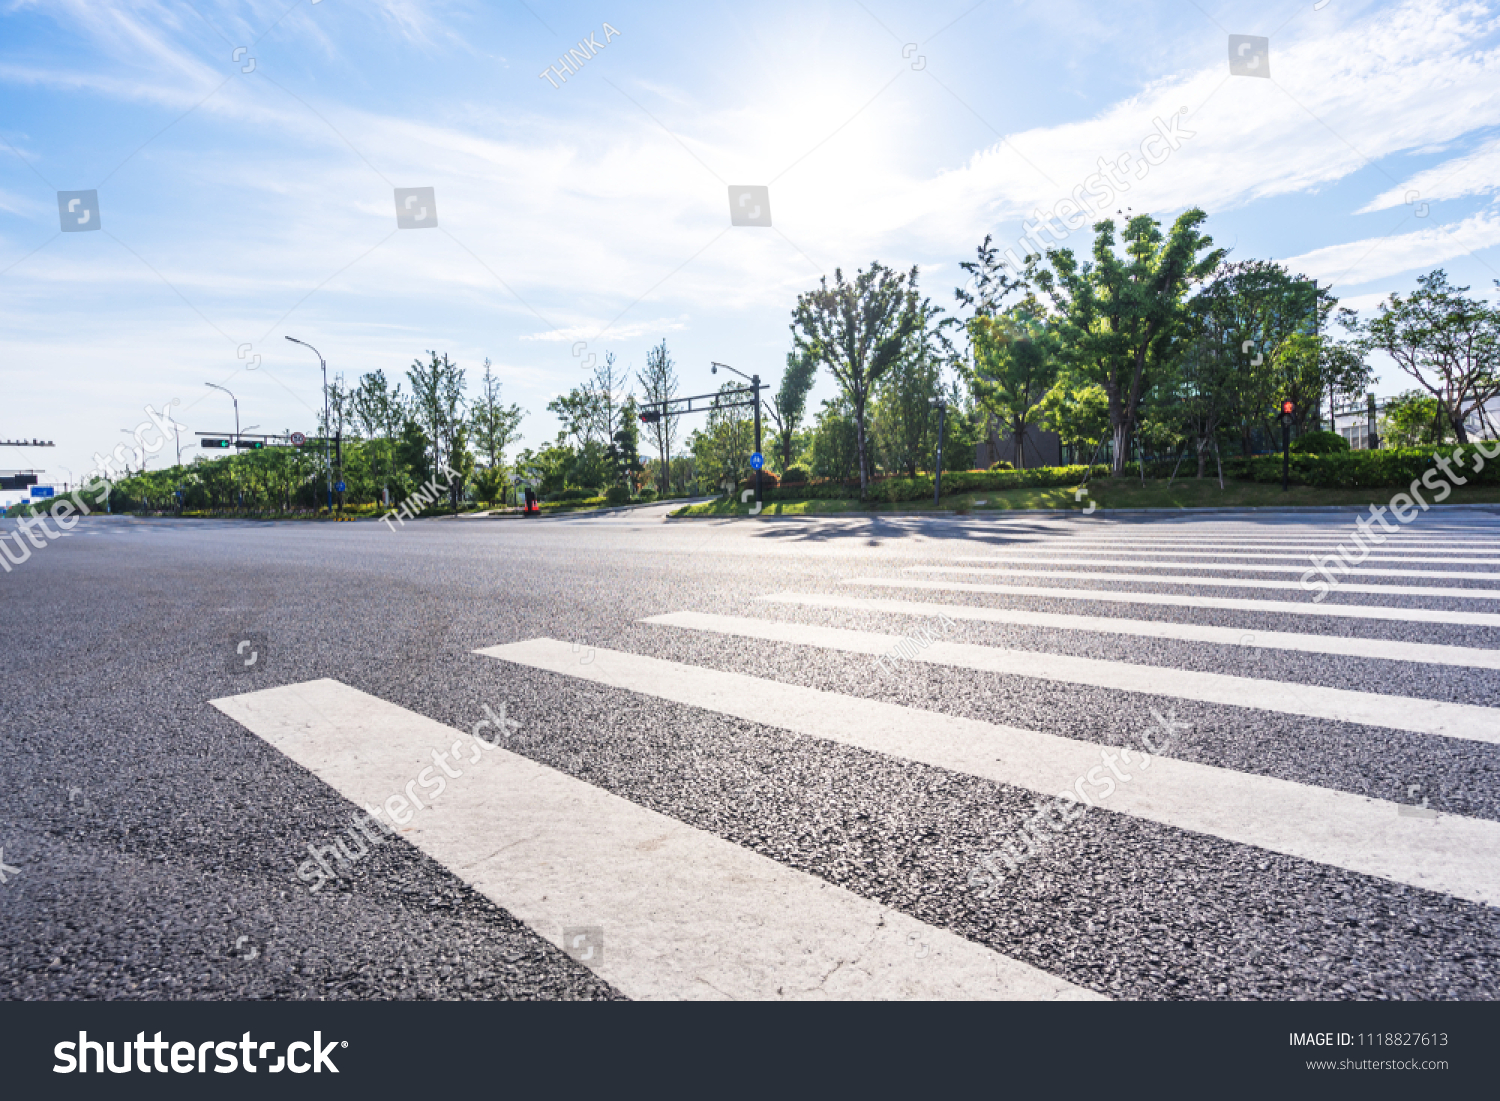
651, 416
1289, 407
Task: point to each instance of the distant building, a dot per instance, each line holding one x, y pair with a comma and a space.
1357, 423
1042, 448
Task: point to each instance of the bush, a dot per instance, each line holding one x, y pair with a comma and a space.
1319, 443
795, 475
1001, 464
617, 495
954, 481
768, 481
573, 495
1369, 469
647, 494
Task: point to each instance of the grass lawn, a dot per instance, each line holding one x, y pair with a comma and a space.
1105, 493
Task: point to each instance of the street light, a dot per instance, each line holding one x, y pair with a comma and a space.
145, 458
754, 381
236, 401
327, 421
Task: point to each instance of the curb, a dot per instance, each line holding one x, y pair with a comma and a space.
1000, 513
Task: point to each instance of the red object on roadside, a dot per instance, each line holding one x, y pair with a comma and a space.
532, 508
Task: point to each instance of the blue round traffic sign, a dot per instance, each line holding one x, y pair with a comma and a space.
338, 487
757, 461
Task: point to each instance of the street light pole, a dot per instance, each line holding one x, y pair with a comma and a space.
327, 421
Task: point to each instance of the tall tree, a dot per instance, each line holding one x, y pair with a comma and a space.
1449, 343
905, 426
857, 330
493, 425
659, 384
437, 407
789, 404
1123, 316
380, 411
1015, 359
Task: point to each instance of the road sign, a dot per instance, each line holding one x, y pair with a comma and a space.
298, 439
338, 487
42, 491
757, 461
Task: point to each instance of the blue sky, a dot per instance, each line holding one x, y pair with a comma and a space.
239, 207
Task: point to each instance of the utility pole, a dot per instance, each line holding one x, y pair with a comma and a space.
755, 387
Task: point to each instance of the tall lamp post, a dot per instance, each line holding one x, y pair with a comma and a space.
754, 381
327, 421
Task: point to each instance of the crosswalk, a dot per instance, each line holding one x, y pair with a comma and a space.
689, 914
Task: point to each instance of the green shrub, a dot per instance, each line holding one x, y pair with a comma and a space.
1319, 443
1001, 464
795, 475
573, 495
1368, 469
617, 495
647, 494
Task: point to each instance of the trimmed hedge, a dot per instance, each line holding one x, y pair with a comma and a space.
1369, 469
920, 487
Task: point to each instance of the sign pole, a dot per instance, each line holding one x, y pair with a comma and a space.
755, 386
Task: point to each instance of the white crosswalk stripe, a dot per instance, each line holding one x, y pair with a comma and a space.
1218, 582
998, 564
684, 914
1220, 603
1451, 720
559, 852
1377, 648
1365, 835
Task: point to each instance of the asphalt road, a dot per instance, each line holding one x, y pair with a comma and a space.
151, 840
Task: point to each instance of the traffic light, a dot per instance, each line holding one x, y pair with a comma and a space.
650, 416
250, 445
213, 443
1288, 408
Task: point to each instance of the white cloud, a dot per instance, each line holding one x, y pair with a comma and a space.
1475, 173
1355, 262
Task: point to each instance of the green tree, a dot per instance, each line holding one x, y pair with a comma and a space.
858, 330
788, 405
659, 384
493, 426
1449, 343
1015, 360
905, 425
1412, 419
1078, 412
835, 442
1121, 316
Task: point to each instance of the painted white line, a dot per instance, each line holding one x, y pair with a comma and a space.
1222, 603
1219, 582
1419, 716
685, 914
1133, 558
1450, 854
1245, 567
1379, 648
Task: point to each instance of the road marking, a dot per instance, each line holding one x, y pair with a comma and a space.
1379, 648
1219, 582
685, 914
1223, 603
1053, 552
1159, 564
1469, 722
1449, 854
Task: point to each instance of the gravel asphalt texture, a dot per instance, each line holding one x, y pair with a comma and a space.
156, 839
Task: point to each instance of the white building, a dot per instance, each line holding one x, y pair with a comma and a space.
1358, 423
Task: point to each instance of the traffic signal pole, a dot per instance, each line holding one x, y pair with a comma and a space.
755, 385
